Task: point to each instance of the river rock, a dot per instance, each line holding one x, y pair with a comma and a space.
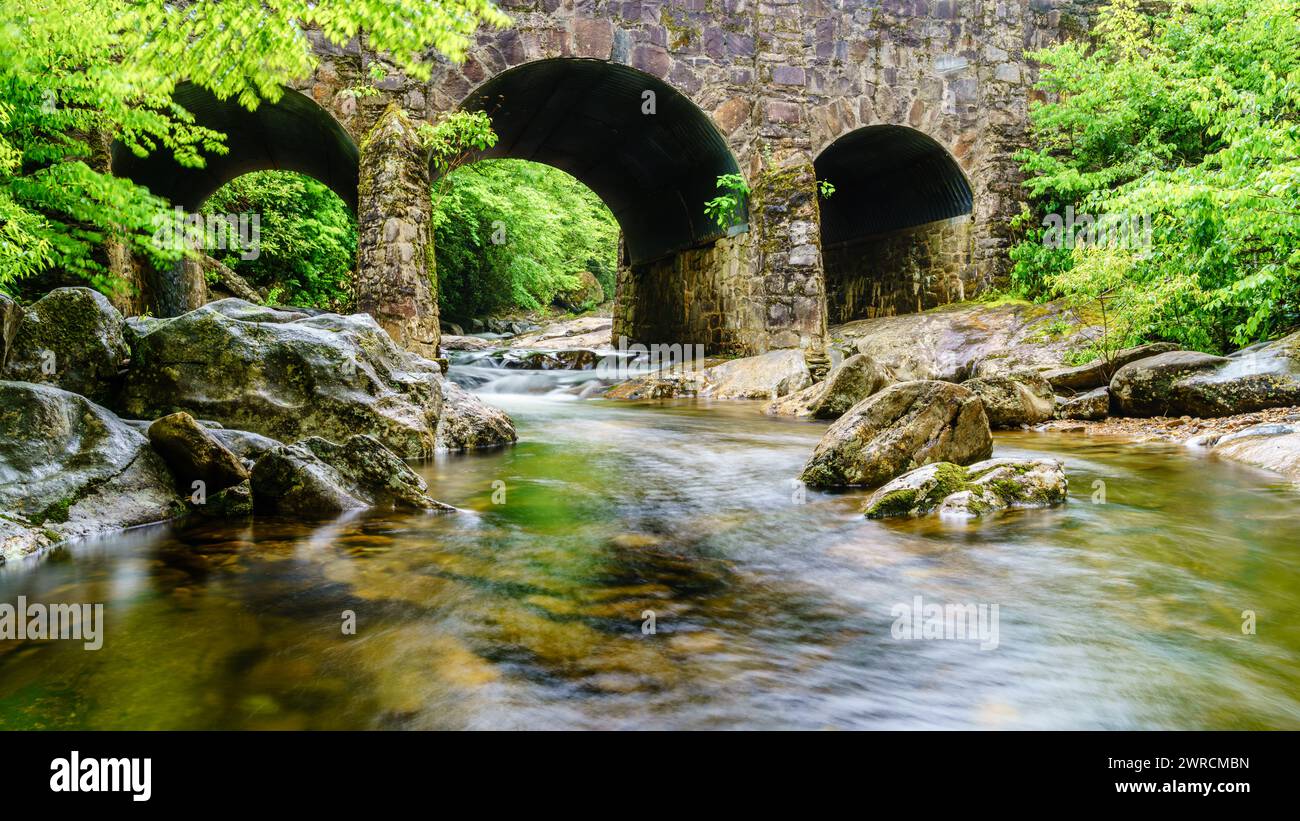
581, 332
965, 492
960, 341
899, 429
856, 378
1185, 383
19, 538
767, 376
284, 374
1274, 447
316, 477
1012, 401
1098, 372
584, 294
469, 423
72, 338
1092, 406
656, 386
74, 468
245, 444
194, 454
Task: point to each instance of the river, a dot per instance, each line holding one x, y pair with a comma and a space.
654, 566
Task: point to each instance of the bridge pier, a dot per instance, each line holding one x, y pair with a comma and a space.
395, 282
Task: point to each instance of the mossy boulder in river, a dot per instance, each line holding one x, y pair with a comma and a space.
856, 378
469, 423
73, 338
1012, 401
73, 468
965, 492
316, 477
194, 454
284, 374
899, 429
1196, 384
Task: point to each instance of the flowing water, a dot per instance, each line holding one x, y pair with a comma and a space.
654, 566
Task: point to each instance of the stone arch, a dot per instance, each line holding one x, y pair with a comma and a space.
642, 146
292, 134
896, 234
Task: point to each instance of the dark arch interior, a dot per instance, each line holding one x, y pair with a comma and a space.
887, 178
293, 134
654, 171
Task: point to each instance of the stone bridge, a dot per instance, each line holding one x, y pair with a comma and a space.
911, 109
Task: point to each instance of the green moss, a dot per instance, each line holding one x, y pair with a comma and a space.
897, 503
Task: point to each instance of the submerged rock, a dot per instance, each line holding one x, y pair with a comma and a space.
285, 375
469, 423
1092, 406
72, 338
73, 468
898, 429
194, 454
1012, 401
316, 478
984, 487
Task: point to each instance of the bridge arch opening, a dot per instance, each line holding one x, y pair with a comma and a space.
642, 146
896, 232
292, 134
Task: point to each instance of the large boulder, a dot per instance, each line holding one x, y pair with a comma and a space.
284, 374
1148, 387
73, 338
317, 478
960, 341
1274, 447
899, 429
1012, 401
581, 332
856, 378
73, 468
767, 376
1092, 406
469, 423
194, 454
1098, 372
585, 293
965, 492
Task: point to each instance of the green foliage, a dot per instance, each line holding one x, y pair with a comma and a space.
825, 189
724, 209
75, 76
510, 234
1192, 118
456, 137
307, 238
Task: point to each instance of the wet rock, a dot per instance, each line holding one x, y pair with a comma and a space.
317, 478
284, 374
469, 423
767, 376
194, 454
244, 444
72, 338
451, 342
554, 360
1092, 406
232, 503
1186, 382
670, 386
1099, 372
1274, 447
585, 294
18, 538
856, 378
957, 342
582, 332
1012, 401
965, 492
73, 468
902, 427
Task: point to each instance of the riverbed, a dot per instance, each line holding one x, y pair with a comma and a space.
655, 566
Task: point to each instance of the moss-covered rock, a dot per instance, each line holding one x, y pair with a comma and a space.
194, 454
73, 468
285, 375
1012, 401
73, 338
316, 478
469, 423
899, 429
586, 293
981, 488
